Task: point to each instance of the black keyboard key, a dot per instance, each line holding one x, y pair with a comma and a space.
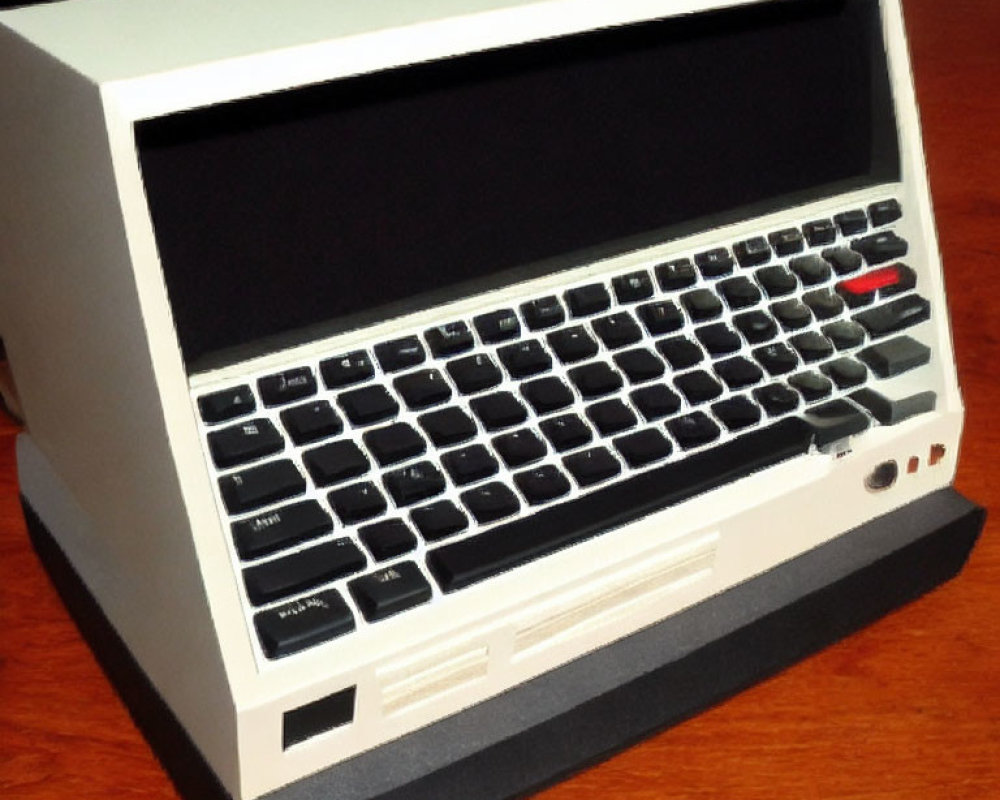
572, 344
905, 279
390, 590
643, 447
693, 430
820, 232
884, 212
260, 486
846, 372
226, 404
895, 356
714, 263
545, 312
617, 330
585, 301
368, 405
474, 373
566, 432
777, 359
680, 352
752, 252
792, 314
756, 326
656, 402
835, 420
541, 484
447, 426
812, 346
470, 464
422, 389
346, 370
311, 422
674, 275
718, 339
661, 317
497, 326
303, 623
460, 564
811, 385
357, 503
394, 443
894, 316
498, 410
287, 387
739, 372
547, 394
777, 281
633, 287
449, 339
592, 466
852, 222
519, 448
881, 247
388, 539
787, 242
491, 502
777, 399
639, 365
302, 571
595, 379
844, 334
400, 354
823, 303
525, 359
889, 411
439, 520
244, 442
737, 413
611, 416
702, 304
843, 260
414, 483
335, 462
811, 269
280, 528
698, 386
739, 292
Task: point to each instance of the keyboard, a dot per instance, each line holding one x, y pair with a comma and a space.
366, 483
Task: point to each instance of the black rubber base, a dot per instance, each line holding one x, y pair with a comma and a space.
746, 634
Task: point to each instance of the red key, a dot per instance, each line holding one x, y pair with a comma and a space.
873, 281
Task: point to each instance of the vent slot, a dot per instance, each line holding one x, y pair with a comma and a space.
429, 676
318, 717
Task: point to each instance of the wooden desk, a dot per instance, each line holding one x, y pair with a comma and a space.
909, 708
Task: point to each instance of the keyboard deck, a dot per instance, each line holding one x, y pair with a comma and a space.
365, 483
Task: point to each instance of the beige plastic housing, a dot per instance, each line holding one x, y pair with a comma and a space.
114, 460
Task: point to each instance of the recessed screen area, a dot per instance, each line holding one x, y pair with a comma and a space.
324, 208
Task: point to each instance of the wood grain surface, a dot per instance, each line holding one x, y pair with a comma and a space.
909, 708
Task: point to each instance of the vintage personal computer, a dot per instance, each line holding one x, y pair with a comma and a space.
425, 399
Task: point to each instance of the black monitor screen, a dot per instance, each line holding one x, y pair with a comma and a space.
316, 210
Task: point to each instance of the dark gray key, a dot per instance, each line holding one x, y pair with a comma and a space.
756, 326
394, 443
491, 502
261, 486
643, 447
438, 520
739, 372
497, 326
894, 316
585, 301
280, 528
844, 334
286, 387
661, 317
592, 466
852, 222
811, 269
347, 369
390, 590
680, 352
572, 344
422, 389
244, 442
792, 314
693, 430
739, 292
655, 402
413, 483
639, 365
519, 448
884, 212
357, 503
777, 359
812, 346
843, 261
335, 462
368, 405
311, 422
498, 410
617, 330
474, 373
303, 570
776, 399
737, 413
449, 340
611, 416
303, 623
714, 263
226, 404
820, 232
718, 339
752, 252
460, 564
566, 432
469, 464
400, 354
698, 386
524, 359
595, 379
823, 303
835, 420
895, 356
845, 372
880, 248
777, 281
787, 242
674, 275
811, 385
388, 539
447, 426
545, 312
702, 304
890, 411
633, 287
542, 484
547, 395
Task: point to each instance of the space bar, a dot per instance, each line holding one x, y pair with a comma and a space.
506, 546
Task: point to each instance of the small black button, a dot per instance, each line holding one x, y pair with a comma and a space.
447, 426
698, 386
693, 430
702, 304
739, 292
738, 372
792, 314
611, 416
490, 502
394, 443
715, 263
777, 281
413, 483
519, 448
776, 399
756, 326
261, 486
335, 462
617, 330
547, 394
400, 353
633, 287
303, 623
639, 365
422, 389
542, 484
592, 466
811, 385
388, 539
894, 316
474, 373
226, 404
566, 432
311, 422
846, 372
812, 346
674, 275
368, 405
655, 402
497, 326
777, 359
524, 359
680, 352
661, 317
390, 590
438, 520
820, 232
844, 334
572, 344
498, 410
449, 340
643, 447
881, 247
718, 339
244, 442
752, 252
286, 387
469, 464
545, 312
843, 260
811, 269
787, 242
347, 369
852, 222
737, 412
884, 212
357, 503
587, 300
595, 379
